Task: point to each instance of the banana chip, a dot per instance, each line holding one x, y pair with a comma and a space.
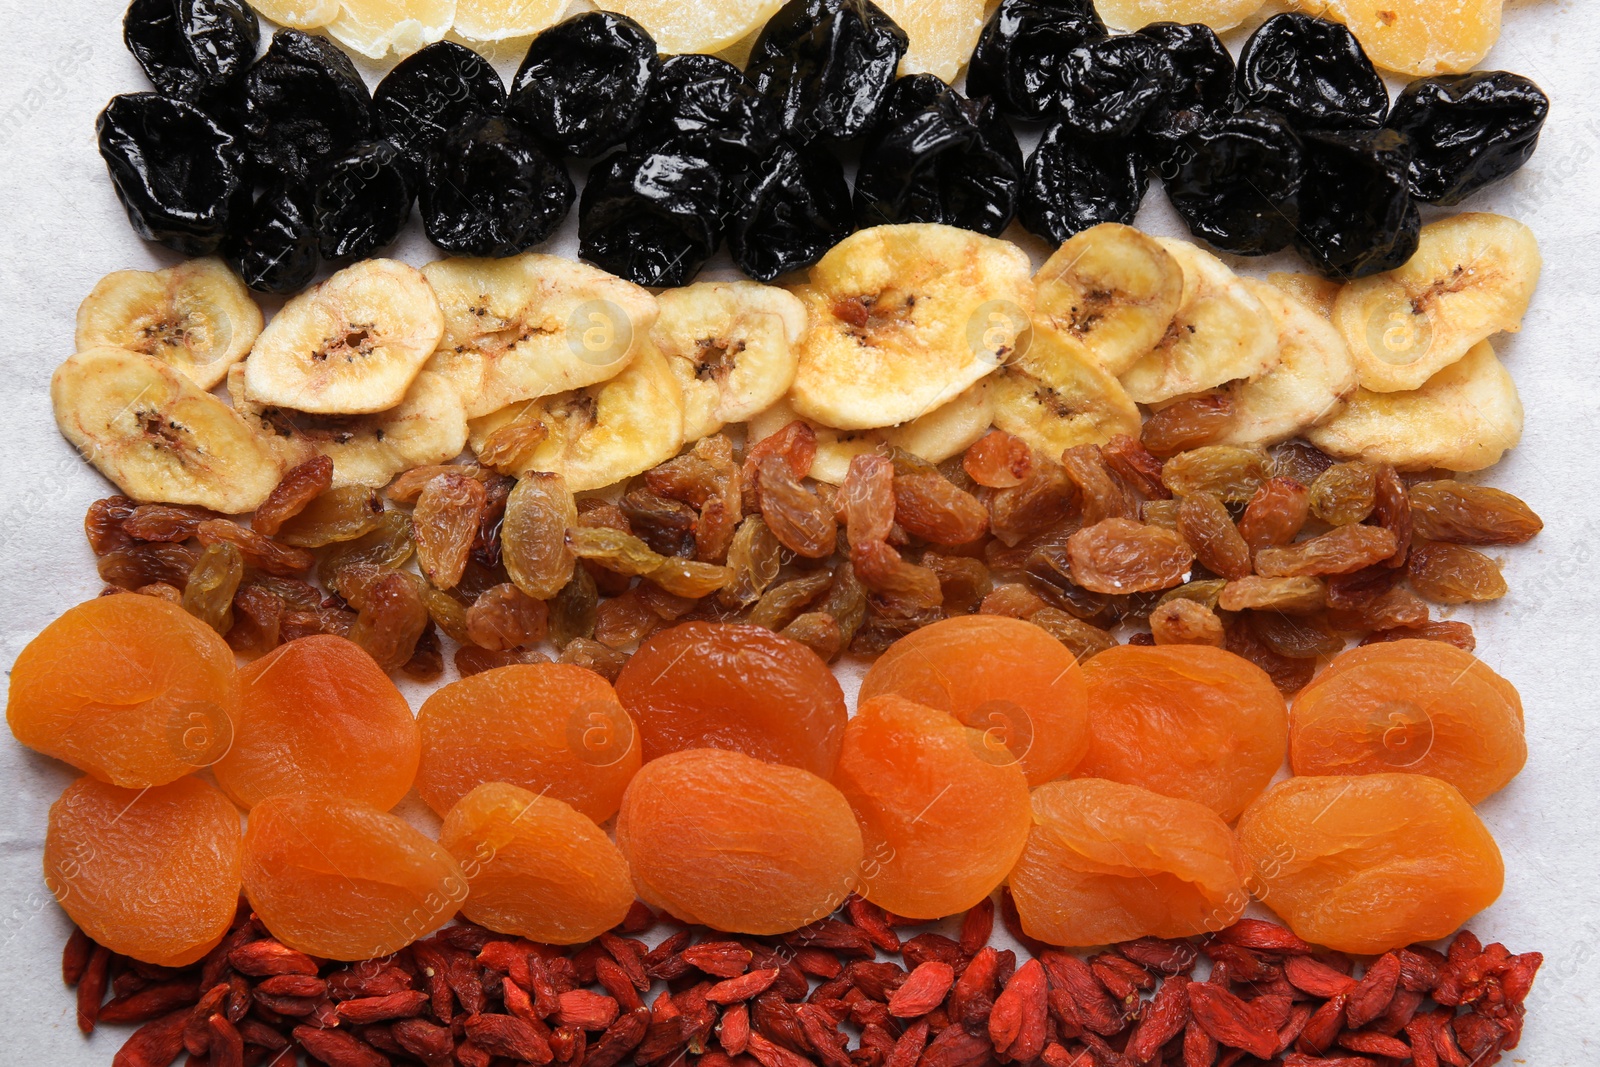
1057, 396
1114, 289
376, 27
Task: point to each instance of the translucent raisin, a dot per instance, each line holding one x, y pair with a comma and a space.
257, 621
170, 593
1186, 622
846, 601
1451, 633
965, 581
1339, 551
1293, 596
795, 444
1471, 514
1206, 591
904, 586
1392, 510
213, 581
295, 594
1276, 514
1187, 424
999, 460
690, 578
1013, 601
1300, 461
1162, 513
929, 507
797, 518
259, 551
572, 612
667, 526
866, 500
1123, 556
391, 619
486, 545
505, 617
883, 629
598, 514
612, 549
387, 545
471, 660
165, 522
754, 557
1454, 574
1295, 636
407, 487
585, 652
1344, 493
427, 660
708, 479
533, 536
1045, 499
1397, 607
818, 631
445, 526
1204, 522
448, 614
299, 623
669, 607
1360, 587
299, 487
1101, 493
338, 515
1049, 572
786, 601
102, 524
1136, 466
1234, 474
512, 445
134, 565
1288, 674
1080, 637
622, 622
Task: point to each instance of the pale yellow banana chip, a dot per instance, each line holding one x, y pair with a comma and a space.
943, 34
500, 20
377, 27
1057, 396
1136, 14
298, 14
1417, 37
1114, 289
1312, 290
680, 27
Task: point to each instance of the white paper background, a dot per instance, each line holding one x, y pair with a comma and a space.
63, 229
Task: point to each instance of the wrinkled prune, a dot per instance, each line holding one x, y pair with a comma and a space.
273, 246
195, 49
181, 176
362, 201
794, 207
1237, 180
303, 102
1201, 88
1313, 71
1074, 183
1356, 213
653, 217
492, 190
584, 82
1467, 130
428, 94
1110, 85
936, 156
710, 97
1022, 49
829, 65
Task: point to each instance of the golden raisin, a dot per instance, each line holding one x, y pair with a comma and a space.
1454, 574
1471, 514
1123, 556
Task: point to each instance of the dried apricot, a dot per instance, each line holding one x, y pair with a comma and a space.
535, 867
150, 873
1107, 862
736, 843
553, 728
1370, 863
319, 715
132, 689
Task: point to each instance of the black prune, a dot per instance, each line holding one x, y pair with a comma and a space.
829, 65
428, 94
712, 98
655, 216
274, 246
1356, 213
788, 211
584, 82
938, 157
303, 103
1236, 182
1314, 72
1201, 88
181, 177
493, 190
1467, 130
195, 49
362, 201
1112, 84
1021, 49
1074, 182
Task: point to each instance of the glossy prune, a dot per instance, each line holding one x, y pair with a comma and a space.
699, 94
1074, 182
1356, 213
1021, 50
829, 65
181, 177
1313, 71
493, 190
194, 49
936, 156
1112, 84
1201, 88
273, 246
653, 217
1467, 130
362, 201
794, 205
584, 82
304, 101
1237, 180
430, 93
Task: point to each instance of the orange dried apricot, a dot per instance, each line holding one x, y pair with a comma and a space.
1006, 677
736, 843
1111, 862
152, 873
342, 880
1188, 721
943, 815
553, 728
535, 867
131, 689
742, 688
1424, 707
319, 715
1372, 862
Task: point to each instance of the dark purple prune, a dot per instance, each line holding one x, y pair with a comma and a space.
1074, 182
1109, 86
712, 98
493, 190
194, 49
181, 177
1314, 72
829, 65
429, 94
303, 103
1357, 216
1467, 130
1236, 182
362, 201
653, 217
936, 156
788, 211
584, 82
274, 245
1201, 88
1021, 51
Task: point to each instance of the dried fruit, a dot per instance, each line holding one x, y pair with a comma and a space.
533, 534
213, 581
1471, 514
1187, 424
1453, 574
1344, 493
1276, 514
1467, 131
584, 82
794, 514
829, 64
1186, 622
391, 618
1123, 556
1234, 474
1204, 523
504, 618
1343, 550
300, 486
445, 526
999, 460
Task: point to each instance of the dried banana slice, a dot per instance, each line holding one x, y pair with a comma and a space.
1220, 334
427, 426
595, 436
1315, 292
376, 27
532, 325
1056, 396
500, 20
351, 346
197, 317
1472, 276
1114, 289
157, 435
902, 319
1218, 14
943, 34
1463, 419
701, 26
1417, 37
298, 14
732, 347
1314, 376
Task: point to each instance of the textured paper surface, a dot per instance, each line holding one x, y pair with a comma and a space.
63, 229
